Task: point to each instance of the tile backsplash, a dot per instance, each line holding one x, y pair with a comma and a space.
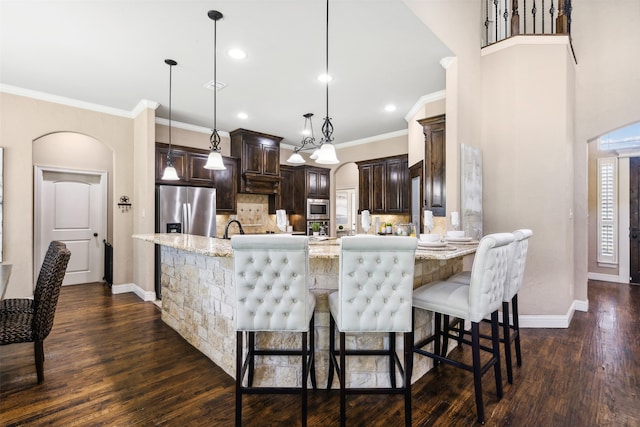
252, 210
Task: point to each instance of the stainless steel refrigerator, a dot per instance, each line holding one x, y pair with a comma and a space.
188, 210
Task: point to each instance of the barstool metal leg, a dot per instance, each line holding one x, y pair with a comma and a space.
477, 370
506, 331
408, 371
392, 362
303, 392
516, 328
495, 338
342, 376
332, 349
239, 338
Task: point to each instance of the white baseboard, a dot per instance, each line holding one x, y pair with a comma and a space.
607, 278
551, 321
132, 287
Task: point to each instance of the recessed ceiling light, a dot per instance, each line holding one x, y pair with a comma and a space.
237, 53
243, 116
389, 108
324, 78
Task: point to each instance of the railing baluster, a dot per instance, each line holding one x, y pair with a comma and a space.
524, 16
551, 13
495, 3
505, 15
533, 12
542, 15
486, 22
515, 19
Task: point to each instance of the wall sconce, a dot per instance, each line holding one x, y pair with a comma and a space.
124, 203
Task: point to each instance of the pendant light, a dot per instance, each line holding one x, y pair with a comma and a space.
214, 161
308, 141
170, 173
327, 152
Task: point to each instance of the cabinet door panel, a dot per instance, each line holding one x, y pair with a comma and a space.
253, 157
179, 162
378, 193
393, 188
271, 160
365, 179
225, 183
197, 173
435, 164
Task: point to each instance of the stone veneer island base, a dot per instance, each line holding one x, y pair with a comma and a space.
198, 301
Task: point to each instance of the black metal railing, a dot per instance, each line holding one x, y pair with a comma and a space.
507, 18
108, 263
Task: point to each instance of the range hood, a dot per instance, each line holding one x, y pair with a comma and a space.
259, 155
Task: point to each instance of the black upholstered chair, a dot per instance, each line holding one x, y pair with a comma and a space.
26, 320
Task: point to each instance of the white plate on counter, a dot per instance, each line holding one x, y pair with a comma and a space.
438, 248
424, 244
458, 239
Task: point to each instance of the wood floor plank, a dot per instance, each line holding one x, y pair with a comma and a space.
111, 361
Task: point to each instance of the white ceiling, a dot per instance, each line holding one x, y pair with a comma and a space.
111, 53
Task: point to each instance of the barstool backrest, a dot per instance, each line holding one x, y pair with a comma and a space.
488, 275
376, 283
271, 280
516, 265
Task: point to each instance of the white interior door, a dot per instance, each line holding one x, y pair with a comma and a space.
70, 206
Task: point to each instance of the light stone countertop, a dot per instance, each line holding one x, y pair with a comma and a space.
216, 247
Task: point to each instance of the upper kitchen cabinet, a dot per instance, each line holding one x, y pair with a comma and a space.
179, 158
383, 185
317, 182
189, 163
286, 199
435, 164
259, 156
226, 185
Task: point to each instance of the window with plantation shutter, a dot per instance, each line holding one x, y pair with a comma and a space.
607, 210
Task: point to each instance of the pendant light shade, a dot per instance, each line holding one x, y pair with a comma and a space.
327, 155
295, 158
214, 161
170, 173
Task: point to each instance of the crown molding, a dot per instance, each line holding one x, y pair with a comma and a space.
70, 102
425, 99
190, 127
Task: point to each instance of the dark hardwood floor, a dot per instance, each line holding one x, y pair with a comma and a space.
111, 361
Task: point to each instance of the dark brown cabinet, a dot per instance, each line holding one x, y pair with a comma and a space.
179, 160
435, 164
383, 185
298, 184
225, 183
259, 156
189, 163
317, 182
286, 199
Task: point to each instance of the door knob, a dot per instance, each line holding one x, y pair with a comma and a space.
95, 234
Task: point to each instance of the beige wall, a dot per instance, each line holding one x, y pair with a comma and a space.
607, 88
24, 120
527, 163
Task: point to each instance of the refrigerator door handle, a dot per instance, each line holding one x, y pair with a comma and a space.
185, 219
188, 218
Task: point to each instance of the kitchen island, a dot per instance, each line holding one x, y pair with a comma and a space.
198, 301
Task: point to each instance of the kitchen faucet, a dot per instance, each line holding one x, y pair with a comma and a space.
226, 228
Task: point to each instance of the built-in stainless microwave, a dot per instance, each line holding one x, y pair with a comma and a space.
317, 209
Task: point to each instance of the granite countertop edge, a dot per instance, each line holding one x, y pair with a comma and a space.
217, 247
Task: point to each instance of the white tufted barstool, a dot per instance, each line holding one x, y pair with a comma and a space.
481, 298
510, 329
374, 295
272, 294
